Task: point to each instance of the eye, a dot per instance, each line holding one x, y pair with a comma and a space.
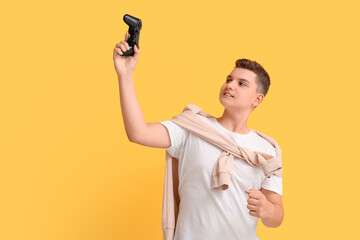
240, 83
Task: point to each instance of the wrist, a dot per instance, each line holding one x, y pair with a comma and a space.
124, 76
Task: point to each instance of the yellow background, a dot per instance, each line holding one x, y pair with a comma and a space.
68, 171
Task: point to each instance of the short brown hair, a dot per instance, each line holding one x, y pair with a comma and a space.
262, 80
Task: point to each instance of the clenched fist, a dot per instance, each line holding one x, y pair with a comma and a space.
125, 65
258, 204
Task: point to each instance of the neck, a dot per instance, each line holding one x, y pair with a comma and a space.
235, 122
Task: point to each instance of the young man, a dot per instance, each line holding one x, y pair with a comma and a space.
204, 213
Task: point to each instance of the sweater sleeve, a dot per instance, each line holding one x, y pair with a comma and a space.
274, 183
178, 136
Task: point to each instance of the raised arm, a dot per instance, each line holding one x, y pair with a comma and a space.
137, 129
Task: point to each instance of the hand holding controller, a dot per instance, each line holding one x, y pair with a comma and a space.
126, 53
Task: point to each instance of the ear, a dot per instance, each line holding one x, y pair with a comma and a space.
259, 98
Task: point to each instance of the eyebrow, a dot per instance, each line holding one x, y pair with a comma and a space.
240, 79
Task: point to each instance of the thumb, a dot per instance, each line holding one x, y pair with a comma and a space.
136, 52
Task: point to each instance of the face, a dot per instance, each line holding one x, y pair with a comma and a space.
242, 86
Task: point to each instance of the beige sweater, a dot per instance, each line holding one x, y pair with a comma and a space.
222, 171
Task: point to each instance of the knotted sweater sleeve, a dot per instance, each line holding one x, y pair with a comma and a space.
274, 183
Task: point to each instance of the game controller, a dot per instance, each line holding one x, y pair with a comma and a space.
135, 26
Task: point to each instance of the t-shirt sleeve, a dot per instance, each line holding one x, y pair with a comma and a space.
178, 136
274, 183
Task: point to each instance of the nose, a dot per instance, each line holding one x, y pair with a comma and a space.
230, 85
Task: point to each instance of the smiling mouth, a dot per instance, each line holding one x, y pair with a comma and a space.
228, 95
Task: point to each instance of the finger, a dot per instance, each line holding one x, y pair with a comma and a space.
121, 46
126, 44
258, 195
253, 213
249, 193
122, 43
136, 50
136, 53
255, 194
127, 35
118, 51
253, 201
251, 207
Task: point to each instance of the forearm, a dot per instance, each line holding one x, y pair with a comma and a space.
275, 218
133, 117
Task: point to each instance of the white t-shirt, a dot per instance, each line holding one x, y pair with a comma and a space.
206, 214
